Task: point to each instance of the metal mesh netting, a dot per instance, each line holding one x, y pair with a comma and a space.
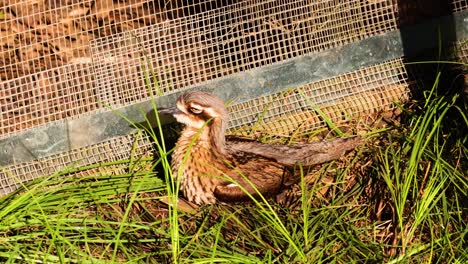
459, 5
48, 70
119, 148
63, 59
462, 50
341, 98
195, 49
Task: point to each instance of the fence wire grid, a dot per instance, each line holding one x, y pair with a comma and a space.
120, 148
64, 59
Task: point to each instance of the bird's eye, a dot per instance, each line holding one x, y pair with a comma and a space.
195, 111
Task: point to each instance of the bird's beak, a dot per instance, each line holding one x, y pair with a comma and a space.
173, 111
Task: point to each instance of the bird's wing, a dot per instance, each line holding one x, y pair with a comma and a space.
306, 154
251, 174
270, 167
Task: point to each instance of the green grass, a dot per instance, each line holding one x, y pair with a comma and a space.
401, 198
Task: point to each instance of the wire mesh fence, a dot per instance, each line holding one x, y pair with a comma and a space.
341, 98
63, 59
120, 148
459, 5
49, 71
462, 50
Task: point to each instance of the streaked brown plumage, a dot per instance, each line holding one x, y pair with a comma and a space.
213, 169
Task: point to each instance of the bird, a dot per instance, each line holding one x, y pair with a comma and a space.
213, 167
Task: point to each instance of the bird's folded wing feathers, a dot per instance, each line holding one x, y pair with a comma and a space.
255, 174
307, 154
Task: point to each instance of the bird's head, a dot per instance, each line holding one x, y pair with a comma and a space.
197, 109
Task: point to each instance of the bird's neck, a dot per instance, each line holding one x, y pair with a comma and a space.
217, 131
212, 137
